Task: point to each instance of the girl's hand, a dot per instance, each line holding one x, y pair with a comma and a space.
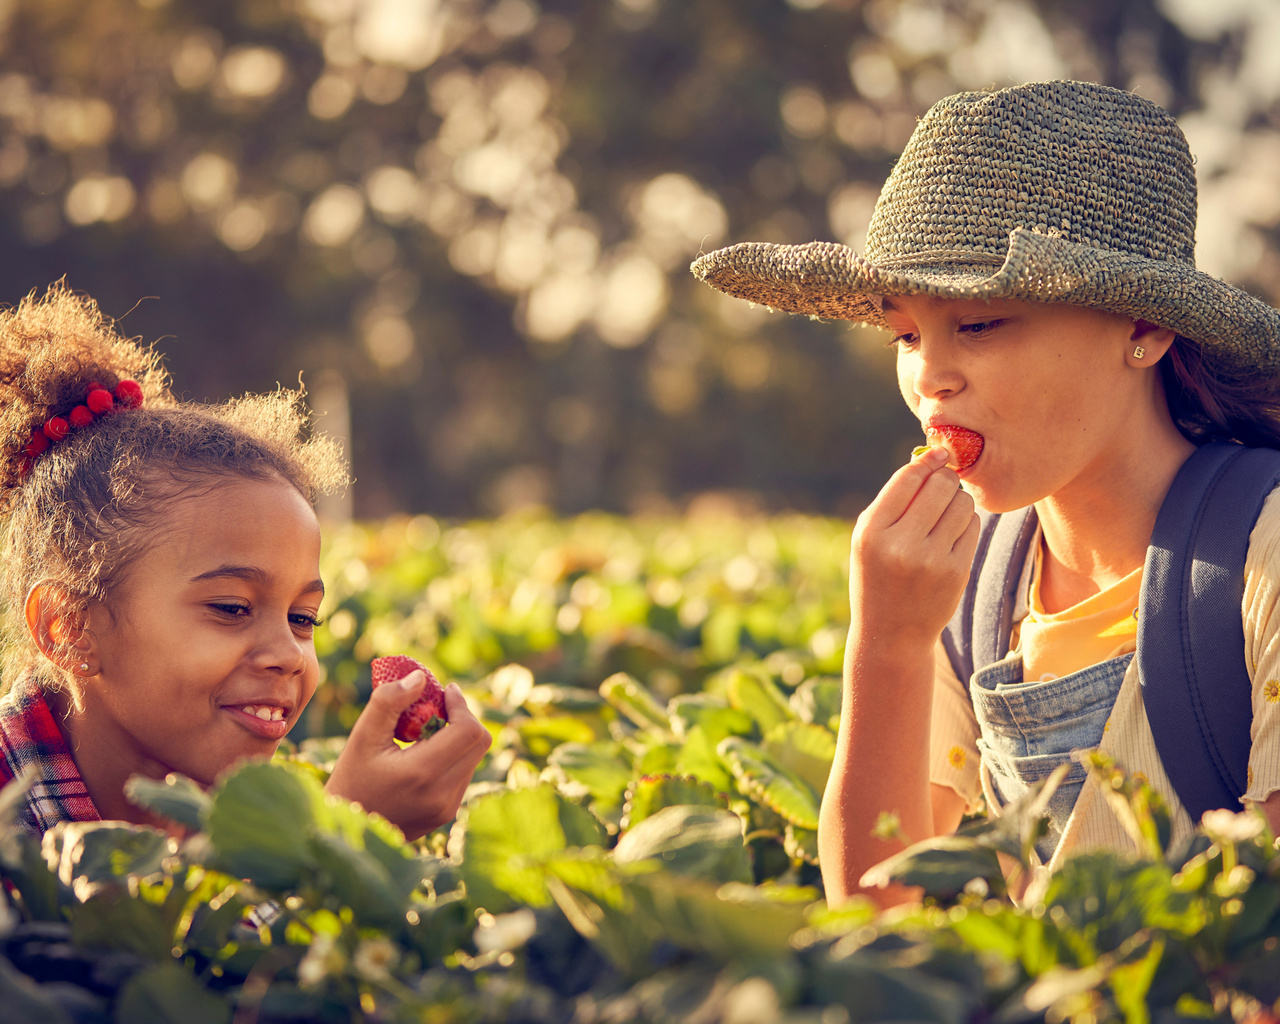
911, 552
418, 787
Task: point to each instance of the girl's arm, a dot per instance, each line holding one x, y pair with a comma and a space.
909, 562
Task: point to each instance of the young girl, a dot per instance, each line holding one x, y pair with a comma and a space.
161, 585
1032, 256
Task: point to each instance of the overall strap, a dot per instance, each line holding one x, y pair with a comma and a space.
1191, 662
978, 633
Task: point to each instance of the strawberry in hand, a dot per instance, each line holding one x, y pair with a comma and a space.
962, 444
424, 716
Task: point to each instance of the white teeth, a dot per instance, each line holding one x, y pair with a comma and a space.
265, 712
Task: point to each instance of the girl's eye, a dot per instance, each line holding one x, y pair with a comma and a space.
905, 340
234, 611
305, 620
980, 328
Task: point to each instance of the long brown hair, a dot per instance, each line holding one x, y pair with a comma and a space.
1210, 402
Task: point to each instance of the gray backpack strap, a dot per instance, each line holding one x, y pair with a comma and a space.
978, 634
1195, 682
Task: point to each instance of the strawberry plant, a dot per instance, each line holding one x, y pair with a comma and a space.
640, 842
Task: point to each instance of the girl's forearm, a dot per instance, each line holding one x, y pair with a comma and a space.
881, 765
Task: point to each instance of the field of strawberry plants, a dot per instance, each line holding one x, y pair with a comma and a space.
640, 842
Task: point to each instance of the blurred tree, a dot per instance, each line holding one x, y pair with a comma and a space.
477, 215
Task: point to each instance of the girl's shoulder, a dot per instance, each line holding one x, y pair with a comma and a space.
32, 747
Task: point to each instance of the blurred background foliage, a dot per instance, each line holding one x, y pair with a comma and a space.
468, 222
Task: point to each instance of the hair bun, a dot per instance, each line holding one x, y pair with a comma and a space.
62, 364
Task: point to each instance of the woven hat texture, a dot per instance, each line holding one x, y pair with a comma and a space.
1052, 192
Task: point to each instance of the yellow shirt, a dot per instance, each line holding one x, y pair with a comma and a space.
1097, 629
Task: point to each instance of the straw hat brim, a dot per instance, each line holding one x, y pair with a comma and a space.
828, 280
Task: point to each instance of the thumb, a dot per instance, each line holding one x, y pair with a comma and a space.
377, 722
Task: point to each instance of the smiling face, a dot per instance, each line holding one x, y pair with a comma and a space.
1050, 388
205, 654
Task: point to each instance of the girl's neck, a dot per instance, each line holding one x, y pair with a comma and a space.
1096, 531
106, 760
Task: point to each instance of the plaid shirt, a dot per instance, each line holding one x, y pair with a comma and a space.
30, 740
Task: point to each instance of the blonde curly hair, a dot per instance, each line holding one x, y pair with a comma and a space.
80, 514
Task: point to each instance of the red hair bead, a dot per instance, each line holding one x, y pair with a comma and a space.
99, 400
128, 393
37, 445
56, 428
80, 416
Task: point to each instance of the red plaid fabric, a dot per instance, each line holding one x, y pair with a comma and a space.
30, 740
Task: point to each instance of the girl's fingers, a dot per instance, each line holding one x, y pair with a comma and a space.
968, 542
954, 520
899, 494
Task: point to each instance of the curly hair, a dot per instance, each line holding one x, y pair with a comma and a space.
81, 513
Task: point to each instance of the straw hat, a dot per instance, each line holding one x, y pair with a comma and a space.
1053, 192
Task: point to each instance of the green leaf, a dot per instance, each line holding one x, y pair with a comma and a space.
597, 768
588, 891
1131, 982
635, 702
730, 922
701, 841
544, 734
260, 824
169, 995
113, 919
90, 853
710, 713
758, 696
211, 925
722, 634
360, 881
568, 699
43, 895
761, 778
500, 840
14, 795
650, 793
698, 756
805, 749
801, 843
174, 797
818, 699
880, 989
942, 866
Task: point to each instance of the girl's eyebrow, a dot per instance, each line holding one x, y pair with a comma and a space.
251, 574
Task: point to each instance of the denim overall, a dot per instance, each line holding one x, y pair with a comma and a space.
1029, 729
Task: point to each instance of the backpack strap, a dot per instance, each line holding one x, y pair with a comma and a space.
1191, 662
978, 633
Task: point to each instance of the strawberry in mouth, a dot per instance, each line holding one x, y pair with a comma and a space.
962, 444
425, 715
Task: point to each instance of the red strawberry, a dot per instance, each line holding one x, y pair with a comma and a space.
426, 714
965, 445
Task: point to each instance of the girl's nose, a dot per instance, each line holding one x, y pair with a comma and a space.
934, 373
279, 649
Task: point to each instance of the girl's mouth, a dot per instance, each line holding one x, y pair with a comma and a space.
270, 721
963, 444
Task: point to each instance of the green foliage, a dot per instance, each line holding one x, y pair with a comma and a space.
637, 846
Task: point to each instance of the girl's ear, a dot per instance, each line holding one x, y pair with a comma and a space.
1147, 344
57, 626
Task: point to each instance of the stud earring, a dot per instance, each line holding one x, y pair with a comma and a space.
1139, 352
84, 668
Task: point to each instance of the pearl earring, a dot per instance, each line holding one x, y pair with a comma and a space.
84, 668
1139, 352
